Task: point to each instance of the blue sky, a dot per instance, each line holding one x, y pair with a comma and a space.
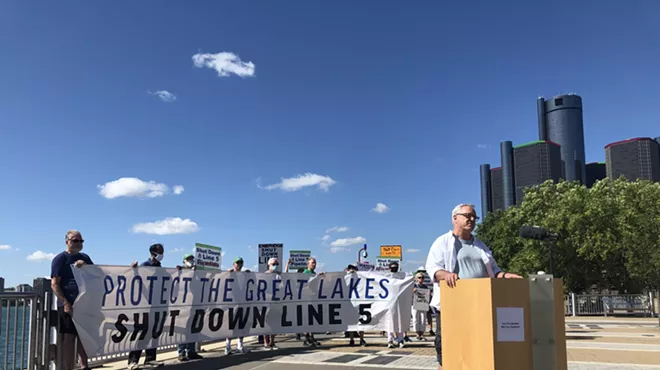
379, 101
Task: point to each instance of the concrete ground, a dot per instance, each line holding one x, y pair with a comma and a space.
592, 343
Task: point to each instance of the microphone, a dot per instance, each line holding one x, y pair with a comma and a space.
536, 233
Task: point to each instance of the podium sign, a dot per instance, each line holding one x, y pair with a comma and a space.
486, 325
503, 324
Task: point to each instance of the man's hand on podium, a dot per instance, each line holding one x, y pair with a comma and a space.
509, 275
451, 278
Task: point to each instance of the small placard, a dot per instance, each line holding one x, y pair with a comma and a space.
510, 324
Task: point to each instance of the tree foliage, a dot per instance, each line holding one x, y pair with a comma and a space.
610, 234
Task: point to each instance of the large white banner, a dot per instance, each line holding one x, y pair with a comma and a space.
120, 309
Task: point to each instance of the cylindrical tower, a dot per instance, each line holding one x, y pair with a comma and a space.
563, 118
657, 139
508, 190
486, 195
540, 109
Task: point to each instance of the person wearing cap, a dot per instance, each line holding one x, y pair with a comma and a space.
419, 316
188, 351
238, 267
310, 340
269, 339
156, 252
351, 269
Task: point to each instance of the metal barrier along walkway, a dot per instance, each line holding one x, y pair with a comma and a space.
25, 328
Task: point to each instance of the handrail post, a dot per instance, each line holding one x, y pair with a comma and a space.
573, 304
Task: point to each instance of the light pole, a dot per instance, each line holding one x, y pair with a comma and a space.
362, 253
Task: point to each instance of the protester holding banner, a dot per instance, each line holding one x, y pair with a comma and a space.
269, 340
395, 339
238, 267
419, 316
351, 269
311, 270
188, 351
156, 251
459, 255
66, 289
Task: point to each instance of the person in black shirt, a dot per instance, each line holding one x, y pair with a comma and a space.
157, 251
66, 289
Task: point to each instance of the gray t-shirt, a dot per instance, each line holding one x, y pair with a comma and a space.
469, 264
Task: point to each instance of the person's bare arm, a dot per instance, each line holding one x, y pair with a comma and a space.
447, 276
55, 285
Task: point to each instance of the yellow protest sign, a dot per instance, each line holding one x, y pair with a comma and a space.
391, 251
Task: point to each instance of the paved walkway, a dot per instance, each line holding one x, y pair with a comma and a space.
621, 344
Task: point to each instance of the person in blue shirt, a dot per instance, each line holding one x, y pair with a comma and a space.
66, 289
156, 251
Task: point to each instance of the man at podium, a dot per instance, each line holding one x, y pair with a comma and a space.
459, 255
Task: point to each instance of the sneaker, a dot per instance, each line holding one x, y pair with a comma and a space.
401, 345
390, 344
153, 364
242, 350
274, 348
407, 339
432, 333
194, 356
306, 343
182, 358
133, 366
363, 343
227, 351
267, 348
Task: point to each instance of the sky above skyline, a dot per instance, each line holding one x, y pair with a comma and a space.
320, 125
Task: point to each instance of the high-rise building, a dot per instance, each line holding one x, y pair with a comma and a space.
535, 163
595, 171
486, 202
23, 288
508, 184
636, 159
496, 192
560, 121
2, 284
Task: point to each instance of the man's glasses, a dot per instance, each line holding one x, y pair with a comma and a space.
76, 240
469, 216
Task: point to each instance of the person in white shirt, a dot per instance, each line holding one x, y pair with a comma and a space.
459, 255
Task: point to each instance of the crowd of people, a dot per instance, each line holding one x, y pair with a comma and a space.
454, 255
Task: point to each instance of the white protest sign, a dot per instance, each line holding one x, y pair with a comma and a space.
268, 251
298, 259
383, 263
120, 309
207, 257
421, 299
365, 266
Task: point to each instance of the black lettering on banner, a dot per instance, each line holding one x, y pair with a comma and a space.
140, 327
364, 311
173, 315
236, 317
299, 311
315, 314
215, 319
117, 338
334, 312
285, 323
259, 316
198, 322
159, 324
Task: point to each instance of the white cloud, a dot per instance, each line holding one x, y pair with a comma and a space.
255, 268
339, 249
4, 247
338, 229
381, 208
40, 256
320, 266
175, 250
168, 226
178, 189
224, 63
347, 242
250, 248
164, 95
412, 250
301, 181
223, 254
133, 187
325, 238
482, 146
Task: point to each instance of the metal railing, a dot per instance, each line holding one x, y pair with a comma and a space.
600, 304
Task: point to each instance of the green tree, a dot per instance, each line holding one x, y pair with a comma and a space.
610, 234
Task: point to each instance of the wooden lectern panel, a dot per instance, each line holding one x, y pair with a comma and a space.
470, 325
560, 325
